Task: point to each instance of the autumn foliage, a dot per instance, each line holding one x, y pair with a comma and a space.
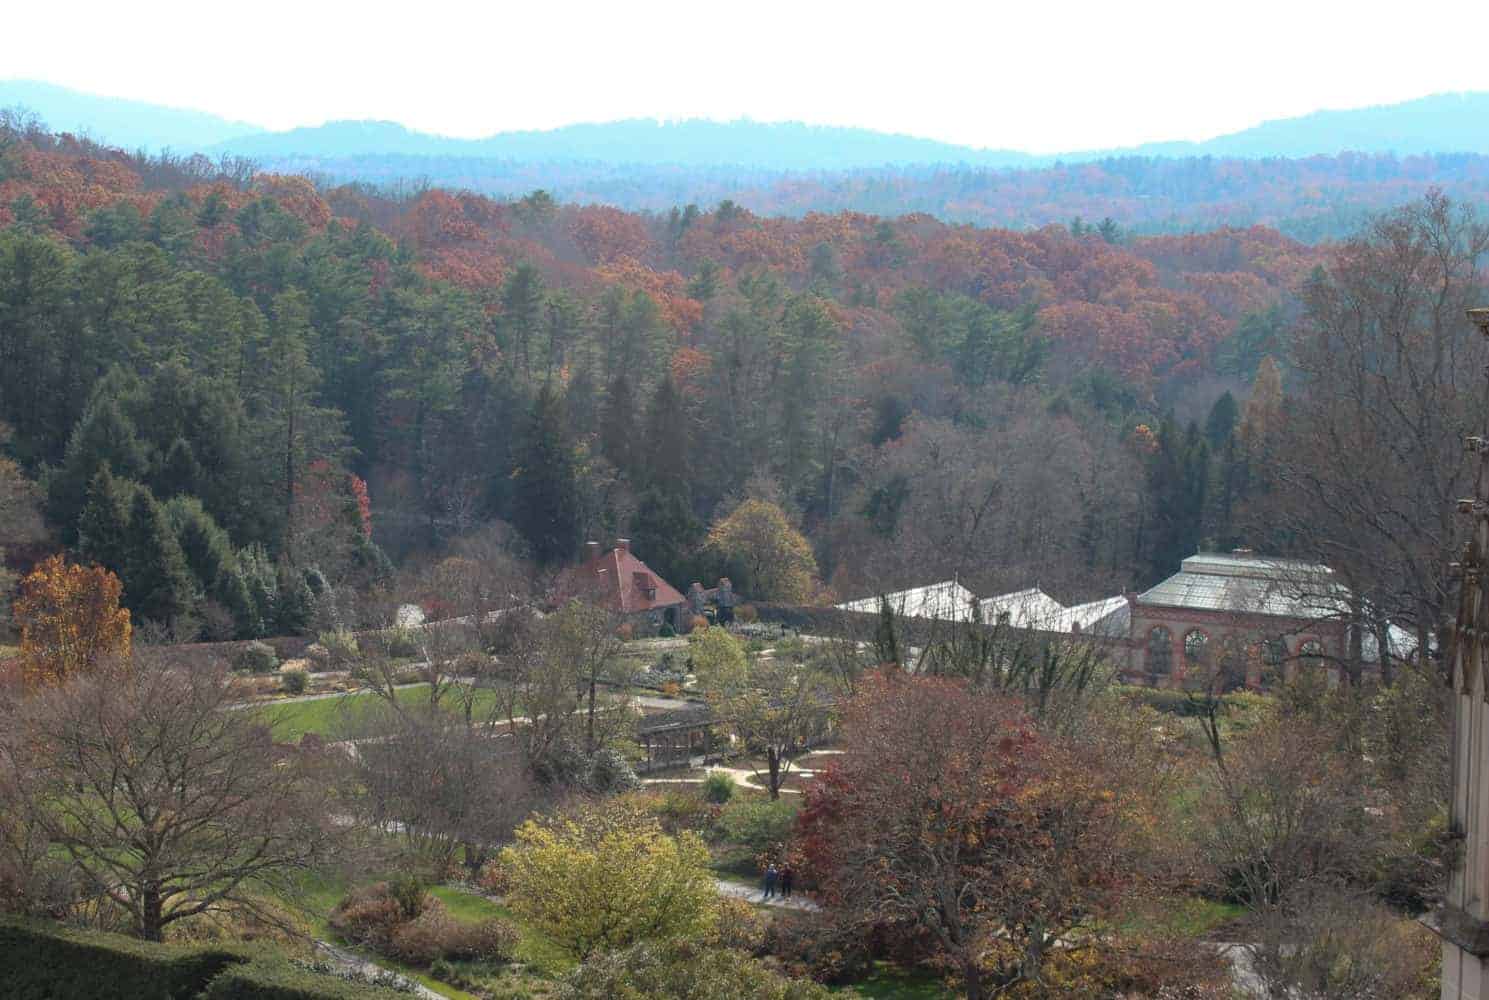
70, 621
948, 816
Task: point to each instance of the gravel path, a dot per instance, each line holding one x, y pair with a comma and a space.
367, 968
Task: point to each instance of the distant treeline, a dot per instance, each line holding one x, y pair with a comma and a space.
1314, 199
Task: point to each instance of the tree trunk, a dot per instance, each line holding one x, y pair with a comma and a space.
1354, 661
1383, 652
774, 760
151, 915
589, 730
972, 979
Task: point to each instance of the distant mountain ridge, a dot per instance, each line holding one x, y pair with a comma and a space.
1441, 123
692, 143
120, 122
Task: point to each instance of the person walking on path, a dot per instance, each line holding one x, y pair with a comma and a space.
770, 881
786, 876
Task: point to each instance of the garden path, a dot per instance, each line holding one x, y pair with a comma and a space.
753, 894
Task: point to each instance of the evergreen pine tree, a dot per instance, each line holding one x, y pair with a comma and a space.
103, 526
295, 602
666, 527
546, 504
157, 582
1221, 423
618, 431
667, 532
104, 436
665, 446
180, 472
886, 638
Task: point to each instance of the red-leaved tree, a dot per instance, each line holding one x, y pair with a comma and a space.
948, 816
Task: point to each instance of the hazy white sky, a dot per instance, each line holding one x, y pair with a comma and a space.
1040, 75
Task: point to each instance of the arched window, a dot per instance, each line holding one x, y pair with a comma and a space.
1160, 651
1274, 651
1196, 648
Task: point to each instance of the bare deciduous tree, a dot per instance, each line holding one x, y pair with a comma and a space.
447, 787
164, 801
1366, 462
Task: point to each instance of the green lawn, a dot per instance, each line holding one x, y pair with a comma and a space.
544, 959
1187, 916
889, 982
329, 718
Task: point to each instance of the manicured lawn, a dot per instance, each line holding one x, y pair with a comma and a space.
329, 718
888, 982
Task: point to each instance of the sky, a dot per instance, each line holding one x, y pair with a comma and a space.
1037, 75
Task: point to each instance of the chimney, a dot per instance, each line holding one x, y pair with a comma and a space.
591, 550
624, 544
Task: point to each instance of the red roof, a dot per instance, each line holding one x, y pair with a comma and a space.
618, 581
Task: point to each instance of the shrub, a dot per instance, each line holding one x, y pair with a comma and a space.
319, 656
759, 824
680, 808
368, 916
666, 632
683, 972
746, 614
609, 771
697, 622
491, 940
811, 944
408, 890
400, 642
436, 936
739, 926
494, 878
431, 935
256, 658
718, 787
625, 630
295, 681
341, 649
606, 876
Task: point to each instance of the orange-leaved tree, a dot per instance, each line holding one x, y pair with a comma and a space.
70, 621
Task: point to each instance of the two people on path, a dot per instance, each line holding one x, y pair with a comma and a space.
782, 877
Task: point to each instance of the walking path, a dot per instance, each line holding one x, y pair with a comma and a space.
1242, 972
369, 969
751, 894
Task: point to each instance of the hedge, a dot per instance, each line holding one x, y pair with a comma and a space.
270, 977
42, 961
48, 961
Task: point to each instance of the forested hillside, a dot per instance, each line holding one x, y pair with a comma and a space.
233, 386
1314, 199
